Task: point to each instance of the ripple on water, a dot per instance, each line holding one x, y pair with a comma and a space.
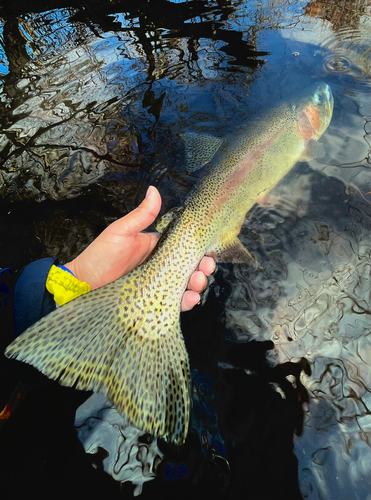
318, 308
350, 52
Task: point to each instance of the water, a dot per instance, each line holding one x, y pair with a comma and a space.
95, 99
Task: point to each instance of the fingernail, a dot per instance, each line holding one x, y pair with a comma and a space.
148, 194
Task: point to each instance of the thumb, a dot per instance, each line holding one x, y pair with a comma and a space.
140, 218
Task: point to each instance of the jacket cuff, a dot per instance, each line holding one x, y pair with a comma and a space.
32, 301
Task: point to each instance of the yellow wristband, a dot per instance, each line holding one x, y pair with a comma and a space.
65, 286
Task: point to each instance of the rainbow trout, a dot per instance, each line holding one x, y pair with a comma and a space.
125, 337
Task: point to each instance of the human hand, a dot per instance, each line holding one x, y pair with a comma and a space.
122, 246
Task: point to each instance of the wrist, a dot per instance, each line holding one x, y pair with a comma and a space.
64, 285
71, 267
79, 273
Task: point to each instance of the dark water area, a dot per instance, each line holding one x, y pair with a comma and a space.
95, 100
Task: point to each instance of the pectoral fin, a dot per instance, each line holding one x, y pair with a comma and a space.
233, 251
313, 150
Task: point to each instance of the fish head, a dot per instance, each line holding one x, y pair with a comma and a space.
315, 111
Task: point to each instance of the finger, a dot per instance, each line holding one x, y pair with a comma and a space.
207, 265
140, 218
150, 240
189, 300
197, 282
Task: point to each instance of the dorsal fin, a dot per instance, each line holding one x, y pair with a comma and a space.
199, 149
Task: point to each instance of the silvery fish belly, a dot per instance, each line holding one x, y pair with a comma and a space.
125, 338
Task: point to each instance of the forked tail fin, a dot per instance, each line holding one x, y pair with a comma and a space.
105, 339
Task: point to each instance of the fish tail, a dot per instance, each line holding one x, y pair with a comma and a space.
109, 340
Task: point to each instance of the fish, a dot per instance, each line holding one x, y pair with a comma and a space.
125, 338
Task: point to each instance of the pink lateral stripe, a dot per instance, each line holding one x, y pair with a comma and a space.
241, 171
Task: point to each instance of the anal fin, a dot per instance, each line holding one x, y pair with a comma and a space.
233, 251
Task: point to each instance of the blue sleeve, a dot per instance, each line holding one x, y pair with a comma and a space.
32, 301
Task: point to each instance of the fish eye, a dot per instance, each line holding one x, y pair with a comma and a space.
318, 98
